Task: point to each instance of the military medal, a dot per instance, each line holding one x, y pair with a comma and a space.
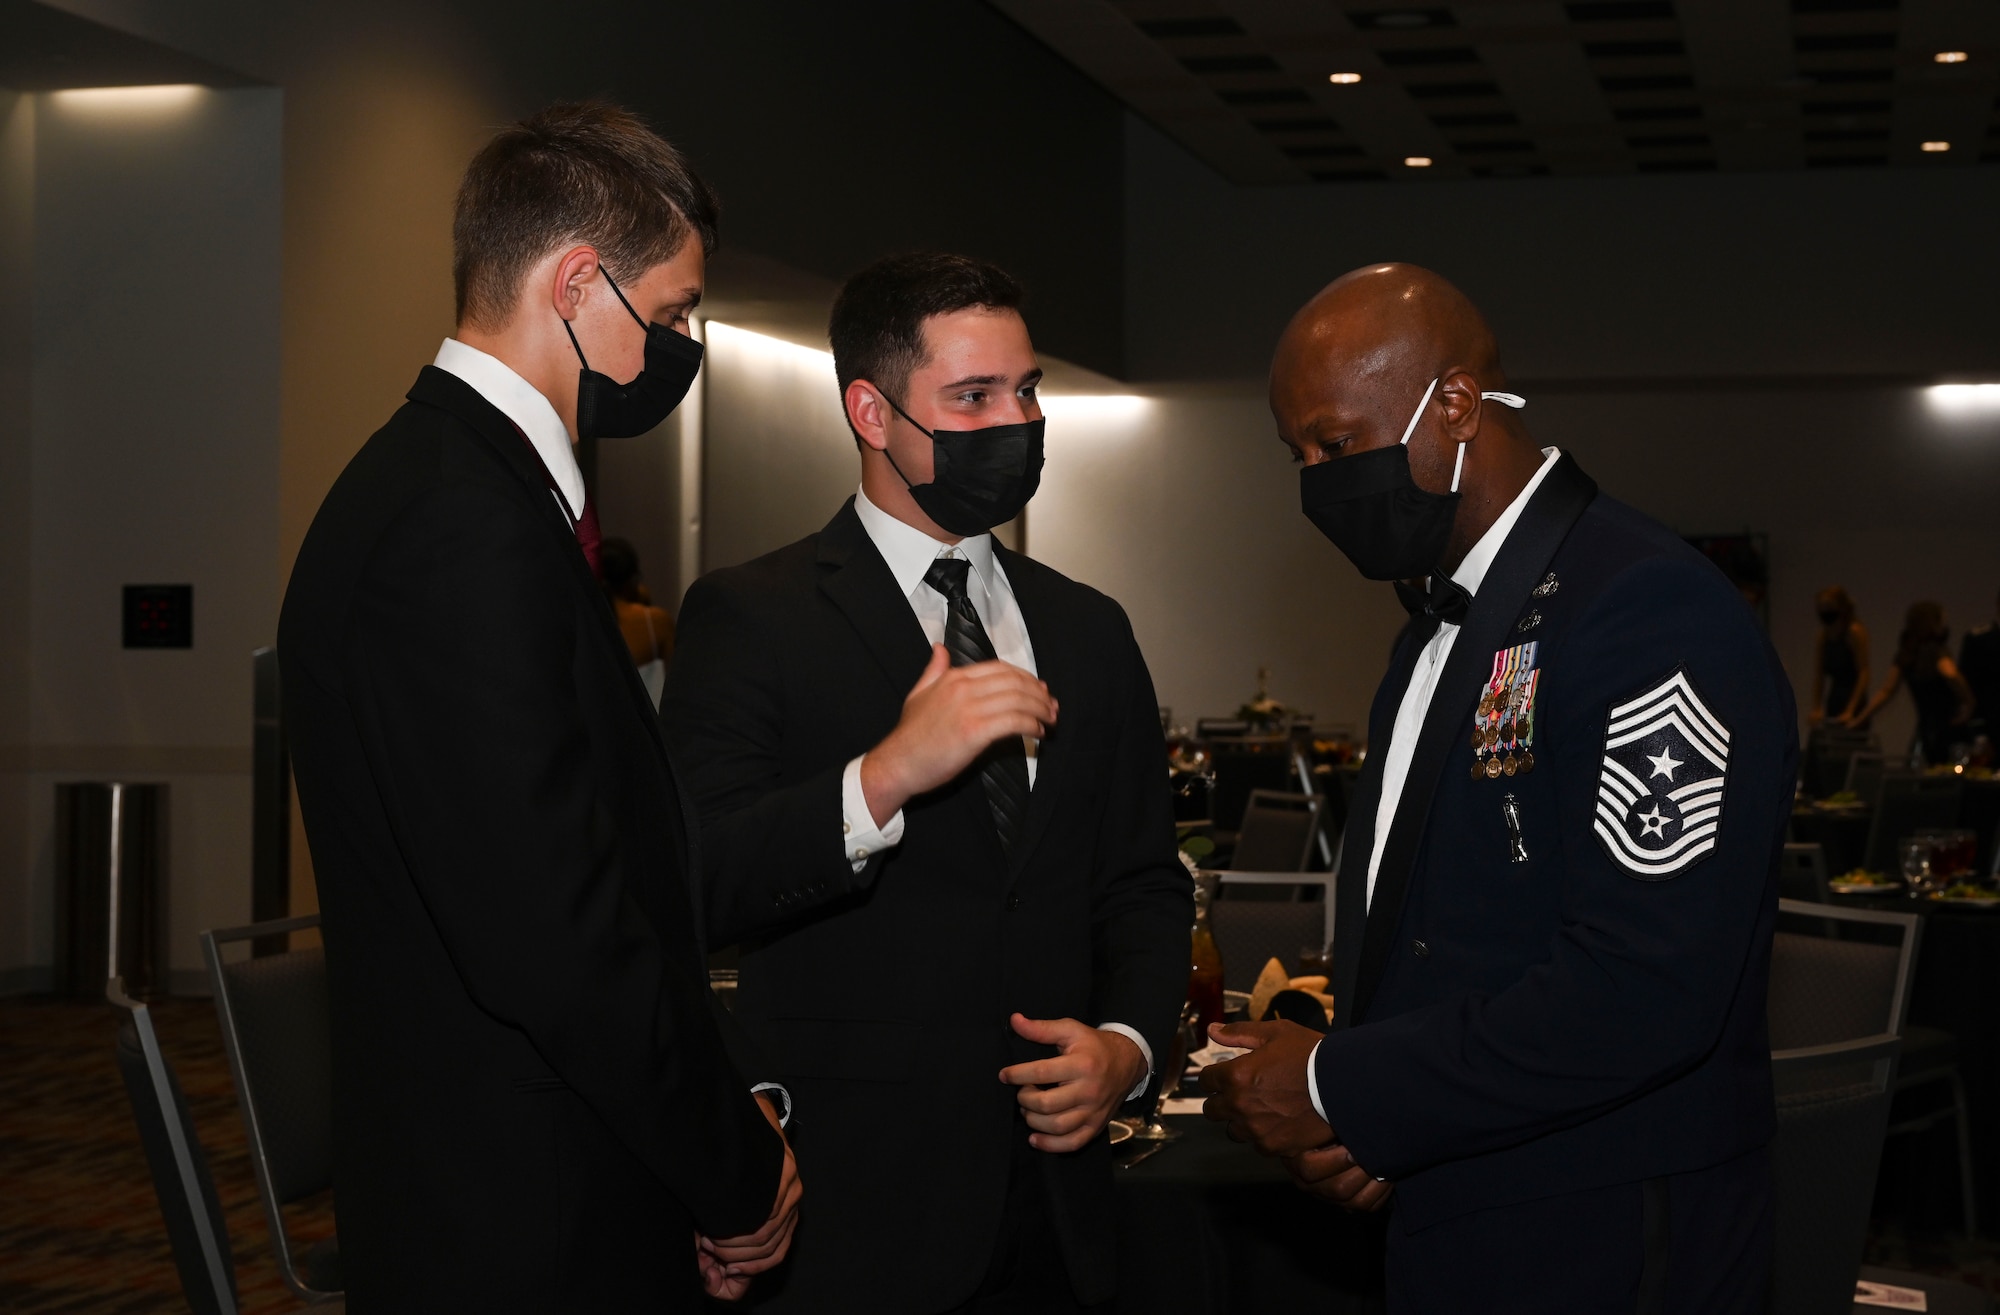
1503, 724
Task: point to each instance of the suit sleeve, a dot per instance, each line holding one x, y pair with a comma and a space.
462, 653
1142, 905
1639, 982
770, 847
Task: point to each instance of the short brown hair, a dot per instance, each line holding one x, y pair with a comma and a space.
587, 172
877, 328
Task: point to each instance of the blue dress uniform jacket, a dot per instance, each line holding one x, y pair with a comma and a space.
1560, 982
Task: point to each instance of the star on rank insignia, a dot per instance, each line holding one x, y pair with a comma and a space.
1659, 794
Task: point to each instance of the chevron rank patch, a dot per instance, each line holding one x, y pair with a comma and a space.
1659, 795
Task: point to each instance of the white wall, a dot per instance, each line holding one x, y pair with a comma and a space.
1186, 510
154, 456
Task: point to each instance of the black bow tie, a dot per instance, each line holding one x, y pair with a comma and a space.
1447, 599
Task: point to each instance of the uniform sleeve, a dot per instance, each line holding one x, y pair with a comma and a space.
1639, 981
461, 661
770, 850
1143, 901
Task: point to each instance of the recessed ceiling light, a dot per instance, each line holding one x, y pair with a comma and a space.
1417, 161
1343, 79
1949, 57
1935, 147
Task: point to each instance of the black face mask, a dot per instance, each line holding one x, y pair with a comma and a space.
1373, 511
606, 408
1828, 618
979, 477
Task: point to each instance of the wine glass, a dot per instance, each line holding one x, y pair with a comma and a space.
1153, 1129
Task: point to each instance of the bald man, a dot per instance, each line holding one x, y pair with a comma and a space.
1557, 892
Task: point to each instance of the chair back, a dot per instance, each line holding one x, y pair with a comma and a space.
1249, 932
1802, 875
1829, 752
276, 1031
1833, 1108
1865, 771
1839, 973
193, 1213
1244, 764
1278, 831
1909, 804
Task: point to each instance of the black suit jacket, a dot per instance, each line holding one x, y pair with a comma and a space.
883, 997
533, 1105
1515, 1026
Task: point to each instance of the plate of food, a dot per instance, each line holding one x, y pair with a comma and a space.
1863, 882
1967, 895
1840, 800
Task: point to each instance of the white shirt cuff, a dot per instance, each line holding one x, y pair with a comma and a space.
784, 1100
860, 837
1144, 1050
1312, 1083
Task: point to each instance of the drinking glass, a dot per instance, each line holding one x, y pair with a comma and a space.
1919, 871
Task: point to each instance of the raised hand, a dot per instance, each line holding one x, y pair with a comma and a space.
728, 1264
949, 718
1068, 1099
1263, 1096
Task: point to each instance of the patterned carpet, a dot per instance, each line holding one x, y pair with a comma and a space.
80, 1228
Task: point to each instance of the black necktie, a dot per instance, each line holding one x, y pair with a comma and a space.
1003, 768
1446, 601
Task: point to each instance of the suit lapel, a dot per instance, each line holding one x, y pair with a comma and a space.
1357, 847
442, 389
858, 582
1053, 663
1522, 562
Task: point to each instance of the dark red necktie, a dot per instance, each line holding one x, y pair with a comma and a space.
587, 535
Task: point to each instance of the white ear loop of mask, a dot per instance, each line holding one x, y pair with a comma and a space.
1514, 400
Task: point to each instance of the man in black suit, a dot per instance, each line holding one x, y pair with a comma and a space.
936, 818
1553, 934
534, 1107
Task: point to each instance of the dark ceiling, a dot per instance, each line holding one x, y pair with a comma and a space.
1510, 89
45, 49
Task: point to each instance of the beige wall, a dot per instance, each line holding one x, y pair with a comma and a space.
17, 192
151, 456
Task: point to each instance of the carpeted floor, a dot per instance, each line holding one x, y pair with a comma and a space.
80, 1228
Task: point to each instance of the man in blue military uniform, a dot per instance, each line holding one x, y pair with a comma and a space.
1558, 885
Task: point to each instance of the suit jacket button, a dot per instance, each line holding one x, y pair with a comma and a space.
1013, 903
1421, 950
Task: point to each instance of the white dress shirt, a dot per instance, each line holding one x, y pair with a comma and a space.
532, 413
1416, 704
909, 553
521, 402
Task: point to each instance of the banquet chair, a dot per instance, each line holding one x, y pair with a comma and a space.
1246, 763
1829, 751
1278, 831
1250, 932
276, 1032
1826, 989
196, 1232
1865, 771
1802, 875
1905, 805
1832, 1107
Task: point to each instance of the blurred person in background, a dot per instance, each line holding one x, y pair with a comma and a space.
648, 630
1944, 701
1840, 660
1979, 663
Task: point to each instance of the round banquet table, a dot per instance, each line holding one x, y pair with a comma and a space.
1957, 988
1206, 1226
